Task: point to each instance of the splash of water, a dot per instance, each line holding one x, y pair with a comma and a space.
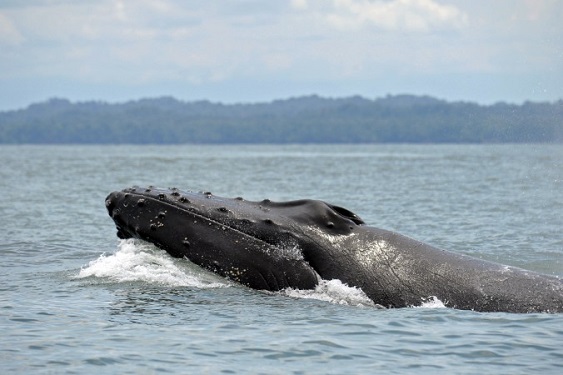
333, 291
137, 261
431, 303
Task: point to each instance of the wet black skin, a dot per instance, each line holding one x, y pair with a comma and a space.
275, 245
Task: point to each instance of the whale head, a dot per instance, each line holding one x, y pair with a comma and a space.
263, 245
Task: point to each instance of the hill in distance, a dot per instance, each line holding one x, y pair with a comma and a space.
307, 119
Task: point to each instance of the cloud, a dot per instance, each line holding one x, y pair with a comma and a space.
394, 15
98, 40
170, 40
299, 4
9, 34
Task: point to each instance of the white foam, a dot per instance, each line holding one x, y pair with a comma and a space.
431, 303
333, 291
139, 261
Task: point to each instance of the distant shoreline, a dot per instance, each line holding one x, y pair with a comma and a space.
303, 120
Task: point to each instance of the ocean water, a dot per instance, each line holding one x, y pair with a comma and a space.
75, 299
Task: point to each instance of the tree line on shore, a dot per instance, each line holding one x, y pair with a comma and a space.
308, 119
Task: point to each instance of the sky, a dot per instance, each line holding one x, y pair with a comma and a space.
240, 51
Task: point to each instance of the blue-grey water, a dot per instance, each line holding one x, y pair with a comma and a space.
75, 299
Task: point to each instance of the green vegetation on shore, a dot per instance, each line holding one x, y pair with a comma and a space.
310, 119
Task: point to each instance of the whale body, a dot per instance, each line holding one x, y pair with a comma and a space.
269, 245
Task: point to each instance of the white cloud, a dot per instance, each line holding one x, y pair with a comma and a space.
394, 15
9, 34
299, 4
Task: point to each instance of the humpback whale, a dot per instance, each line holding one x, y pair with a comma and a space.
269, 245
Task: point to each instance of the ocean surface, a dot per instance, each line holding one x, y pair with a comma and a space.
76, 300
